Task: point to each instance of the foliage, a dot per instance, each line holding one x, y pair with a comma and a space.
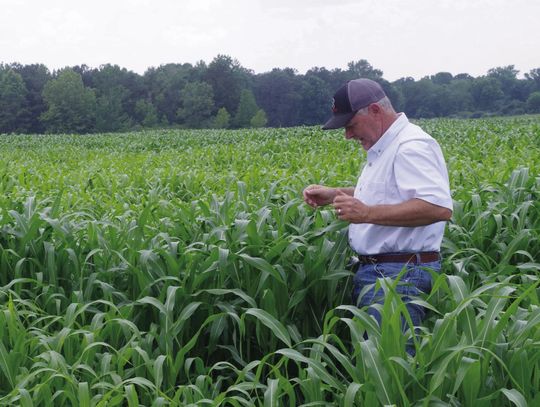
197, 104
247, 108
486, 92
35, 77
222, 119
12, 100
315, 94
146, 114
278, 95
228, 78
127, 100
181, 268
110, 115
164, 84
363, 69
259, 119
533, 103
71, 106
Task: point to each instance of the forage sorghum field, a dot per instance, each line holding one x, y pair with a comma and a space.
176, 268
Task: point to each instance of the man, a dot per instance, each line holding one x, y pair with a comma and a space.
398, 209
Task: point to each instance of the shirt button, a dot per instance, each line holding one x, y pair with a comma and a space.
370, 164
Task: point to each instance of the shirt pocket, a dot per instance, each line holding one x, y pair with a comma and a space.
374, 193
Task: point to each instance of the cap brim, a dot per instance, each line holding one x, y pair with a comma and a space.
337, 121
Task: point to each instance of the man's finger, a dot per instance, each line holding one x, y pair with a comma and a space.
342, 198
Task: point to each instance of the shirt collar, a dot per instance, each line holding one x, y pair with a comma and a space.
389, 135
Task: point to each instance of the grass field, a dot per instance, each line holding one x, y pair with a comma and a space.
175, 268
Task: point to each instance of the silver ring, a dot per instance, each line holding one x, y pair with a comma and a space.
339, 211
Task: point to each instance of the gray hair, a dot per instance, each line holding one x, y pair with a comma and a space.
383, 103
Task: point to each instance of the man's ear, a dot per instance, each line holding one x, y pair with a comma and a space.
374, 108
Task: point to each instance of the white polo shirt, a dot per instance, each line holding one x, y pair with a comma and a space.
404, 164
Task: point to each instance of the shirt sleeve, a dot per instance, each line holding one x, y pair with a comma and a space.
420, 172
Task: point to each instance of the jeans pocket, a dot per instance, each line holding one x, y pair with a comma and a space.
421, 279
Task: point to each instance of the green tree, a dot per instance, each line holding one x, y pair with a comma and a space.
363, 69
463, 76
247, 108
222, 119
278, 94
316, 100
71, 106
442, 78
117, 92
12, 100
146, 114
460, 99
35, 77
417, 96
487, 93
110, 115
507, 78
534, 76
165, 84
197, 105
227, 78
533, 103
259, 120
333, 79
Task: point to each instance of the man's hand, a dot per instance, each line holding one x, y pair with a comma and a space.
350, 209
318, 195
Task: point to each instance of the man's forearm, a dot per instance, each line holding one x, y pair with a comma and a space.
415, 212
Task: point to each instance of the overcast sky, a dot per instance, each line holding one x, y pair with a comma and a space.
400, 37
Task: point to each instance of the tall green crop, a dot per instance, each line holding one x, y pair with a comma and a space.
182, 268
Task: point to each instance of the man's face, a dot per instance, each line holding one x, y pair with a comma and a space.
364, 128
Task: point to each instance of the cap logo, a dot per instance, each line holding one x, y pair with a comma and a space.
334, 108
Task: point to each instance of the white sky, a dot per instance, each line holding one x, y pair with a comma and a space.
400, 37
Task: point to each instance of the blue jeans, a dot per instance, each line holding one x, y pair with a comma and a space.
415, 280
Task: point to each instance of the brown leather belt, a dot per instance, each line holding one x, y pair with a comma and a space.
414, 258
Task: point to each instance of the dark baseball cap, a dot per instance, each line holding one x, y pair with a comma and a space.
350, 98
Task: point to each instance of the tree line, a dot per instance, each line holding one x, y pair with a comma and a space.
223, 94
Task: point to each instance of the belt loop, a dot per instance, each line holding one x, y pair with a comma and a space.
418, 258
